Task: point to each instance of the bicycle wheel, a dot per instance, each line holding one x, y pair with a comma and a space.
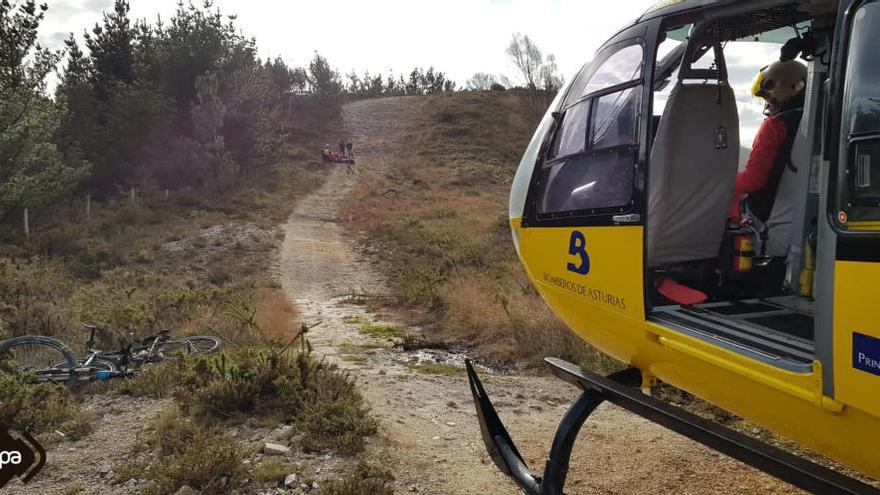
202, 344
97, 364
188, 346
48, 359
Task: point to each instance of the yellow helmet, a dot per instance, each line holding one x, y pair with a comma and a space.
780, 81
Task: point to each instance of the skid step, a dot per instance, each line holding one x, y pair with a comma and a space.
621, 389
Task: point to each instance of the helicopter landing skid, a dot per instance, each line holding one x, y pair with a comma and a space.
621, 389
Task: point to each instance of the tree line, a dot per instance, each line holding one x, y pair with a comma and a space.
184, 102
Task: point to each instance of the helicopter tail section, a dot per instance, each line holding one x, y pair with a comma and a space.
621, 389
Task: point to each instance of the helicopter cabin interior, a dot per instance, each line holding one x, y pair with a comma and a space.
747, 286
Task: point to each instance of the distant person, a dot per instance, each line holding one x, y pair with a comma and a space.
348, 146
326, 152
342, 147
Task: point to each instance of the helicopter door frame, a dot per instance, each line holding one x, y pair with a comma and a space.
848, 265
633, 213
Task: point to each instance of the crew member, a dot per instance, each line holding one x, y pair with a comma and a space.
326, 152
781, 85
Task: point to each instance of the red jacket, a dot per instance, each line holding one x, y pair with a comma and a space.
770, 138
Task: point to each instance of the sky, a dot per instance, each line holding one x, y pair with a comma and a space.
459, 37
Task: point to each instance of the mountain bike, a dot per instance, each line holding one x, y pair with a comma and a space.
49, 360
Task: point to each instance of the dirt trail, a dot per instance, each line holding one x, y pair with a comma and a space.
429, 436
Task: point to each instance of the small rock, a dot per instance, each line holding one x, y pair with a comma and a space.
413, 488
223, 480
275, 449
452, 405
317, 470
382, 372
186, 490
290, 480
450, 423
103, 470
435, 438
131, 483
110, 475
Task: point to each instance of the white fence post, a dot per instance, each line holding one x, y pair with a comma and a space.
88, 207
27, 227
132, 194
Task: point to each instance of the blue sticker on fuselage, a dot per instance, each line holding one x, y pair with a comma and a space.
866, 353
577, 246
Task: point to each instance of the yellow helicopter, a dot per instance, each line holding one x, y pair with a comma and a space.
620, 214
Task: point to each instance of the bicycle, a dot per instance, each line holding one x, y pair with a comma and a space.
50, 360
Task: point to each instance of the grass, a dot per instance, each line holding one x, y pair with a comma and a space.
437, 369
384, 331
365, 479
271, 471
454, 266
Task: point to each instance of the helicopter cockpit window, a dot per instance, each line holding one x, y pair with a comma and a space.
861, 117
590, 166
570, 139
615, 121
613, 69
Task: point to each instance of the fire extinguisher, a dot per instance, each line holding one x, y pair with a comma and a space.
743, 253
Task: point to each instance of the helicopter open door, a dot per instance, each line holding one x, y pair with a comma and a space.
585, 198
849, 274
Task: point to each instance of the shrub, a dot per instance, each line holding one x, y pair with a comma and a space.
185, 453
318, 399
32, 295
366, 479
39, 407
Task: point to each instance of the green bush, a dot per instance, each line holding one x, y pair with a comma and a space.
319, 400
39, 407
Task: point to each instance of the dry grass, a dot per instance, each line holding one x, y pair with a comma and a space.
183, 452
275, 316
454, 264
365, 479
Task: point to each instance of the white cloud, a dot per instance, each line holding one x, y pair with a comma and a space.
460, 37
